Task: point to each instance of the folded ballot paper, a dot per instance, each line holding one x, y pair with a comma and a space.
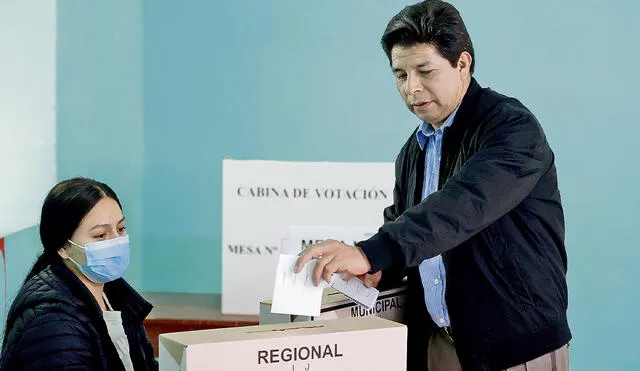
294, 293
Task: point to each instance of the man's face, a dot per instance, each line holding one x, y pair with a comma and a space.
430, 87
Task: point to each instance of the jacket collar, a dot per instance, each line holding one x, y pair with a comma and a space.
464, 111
468, 104
121, 295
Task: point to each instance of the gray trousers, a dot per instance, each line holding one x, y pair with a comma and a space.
443, 357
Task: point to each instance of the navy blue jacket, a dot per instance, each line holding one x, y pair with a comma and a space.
56, 324
498, 222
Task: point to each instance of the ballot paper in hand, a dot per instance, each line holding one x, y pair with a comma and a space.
355, 289
294, 293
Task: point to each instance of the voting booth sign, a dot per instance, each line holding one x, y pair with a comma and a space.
261, 201
301, 236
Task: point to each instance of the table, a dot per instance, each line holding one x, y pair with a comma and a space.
176, 312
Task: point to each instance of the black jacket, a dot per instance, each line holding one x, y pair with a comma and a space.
498, 222
56, 324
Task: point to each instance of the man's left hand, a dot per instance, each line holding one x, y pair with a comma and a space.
333, 257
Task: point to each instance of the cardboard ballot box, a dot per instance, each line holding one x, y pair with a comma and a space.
390, 305
366, 343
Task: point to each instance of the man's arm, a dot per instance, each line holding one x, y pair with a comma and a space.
388, 278
393, 275
512, 157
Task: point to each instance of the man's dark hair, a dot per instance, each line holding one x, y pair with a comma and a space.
433, 22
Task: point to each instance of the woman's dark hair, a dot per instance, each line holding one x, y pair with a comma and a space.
433, 22
64, 208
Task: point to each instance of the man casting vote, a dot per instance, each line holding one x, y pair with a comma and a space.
476, 225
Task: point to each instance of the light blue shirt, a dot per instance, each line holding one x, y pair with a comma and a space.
432, 271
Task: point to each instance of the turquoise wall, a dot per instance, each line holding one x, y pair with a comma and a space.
284, 80
295, 80
152, 96
566, 60
99, 104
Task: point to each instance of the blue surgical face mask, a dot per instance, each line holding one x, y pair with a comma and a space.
106, 260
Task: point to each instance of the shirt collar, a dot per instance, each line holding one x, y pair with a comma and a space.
425, 130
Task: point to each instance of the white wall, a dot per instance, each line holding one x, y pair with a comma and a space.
27, 128
27, 110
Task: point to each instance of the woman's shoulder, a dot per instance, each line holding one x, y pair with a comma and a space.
44, 298
42, 290
43, 319
42, 328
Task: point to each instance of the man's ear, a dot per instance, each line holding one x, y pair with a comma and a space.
464, 63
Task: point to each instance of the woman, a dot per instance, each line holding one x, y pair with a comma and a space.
74, 311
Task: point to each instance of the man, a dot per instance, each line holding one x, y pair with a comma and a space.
477, 224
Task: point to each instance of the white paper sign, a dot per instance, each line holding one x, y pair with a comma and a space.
302, 236
262, 199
